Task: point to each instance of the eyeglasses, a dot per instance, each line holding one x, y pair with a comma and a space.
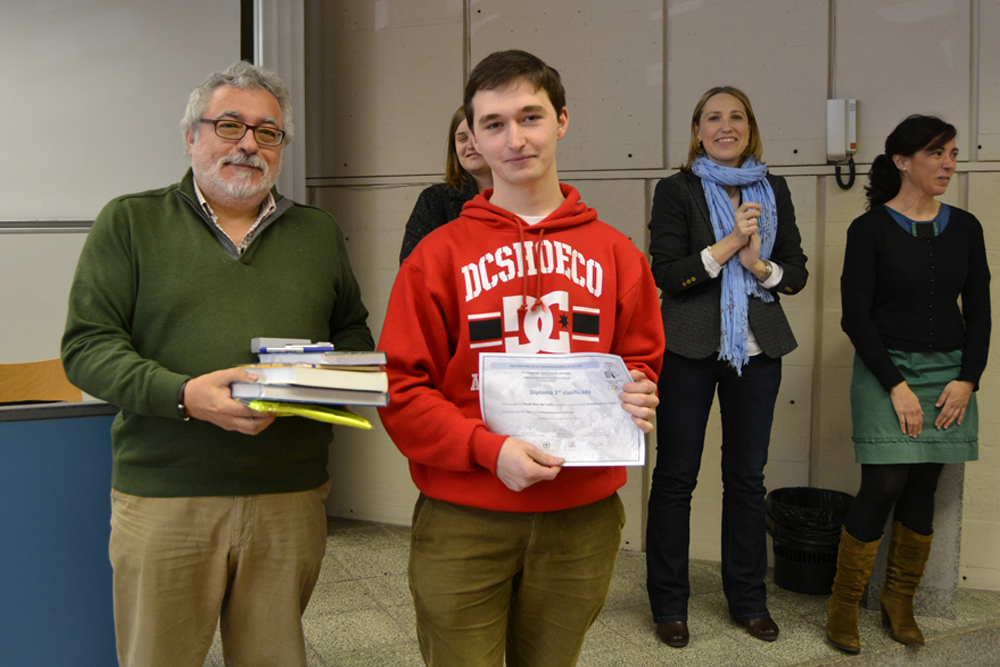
234, 130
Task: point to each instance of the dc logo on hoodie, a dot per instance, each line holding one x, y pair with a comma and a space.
547, 325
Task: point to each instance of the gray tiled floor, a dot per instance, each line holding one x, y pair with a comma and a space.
361, 615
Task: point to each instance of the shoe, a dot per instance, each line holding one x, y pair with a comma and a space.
673, 633
855, 560
908, 552
762, 628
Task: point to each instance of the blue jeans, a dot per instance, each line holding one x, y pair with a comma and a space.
687, 387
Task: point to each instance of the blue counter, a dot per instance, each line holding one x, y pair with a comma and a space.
55, 509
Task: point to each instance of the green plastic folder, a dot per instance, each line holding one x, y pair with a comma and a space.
317, 412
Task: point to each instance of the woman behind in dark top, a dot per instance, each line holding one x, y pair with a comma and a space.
724, 243
466, 175
918, 361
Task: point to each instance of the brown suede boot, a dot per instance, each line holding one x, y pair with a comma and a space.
908, 553
855, 560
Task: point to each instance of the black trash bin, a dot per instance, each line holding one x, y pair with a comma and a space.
804, 523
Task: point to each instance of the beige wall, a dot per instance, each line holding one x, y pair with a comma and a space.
93, 96
383, 78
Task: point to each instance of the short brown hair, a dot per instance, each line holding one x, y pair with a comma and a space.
502, 68
754, 146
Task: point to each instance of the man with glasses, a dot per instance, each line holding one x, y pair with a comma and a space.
217, 510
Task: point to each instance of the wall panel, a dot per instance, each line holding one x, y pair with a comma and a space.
93, 94
37, 270
371, 479
751, 44
382, 81
621, 204
901, 58
372, 219
610, 58
989, 81
833, 464
981, 525
896, 57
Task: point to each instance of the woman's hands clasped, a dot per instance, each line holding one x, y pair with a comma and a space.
747, 222
744, 240
750, 256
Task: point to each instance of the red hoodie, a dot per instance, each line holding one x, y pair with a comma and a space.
473, 285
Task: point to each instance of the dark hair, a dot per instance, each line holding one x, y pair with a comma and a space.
454, 174
915, 133
754, 146
502, 68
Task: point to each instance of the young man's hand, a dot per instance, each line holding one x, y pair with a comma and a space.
520, 464
207, 397
639, 399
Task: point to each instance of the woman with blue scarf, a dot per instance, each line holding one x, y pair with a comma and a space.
724, 244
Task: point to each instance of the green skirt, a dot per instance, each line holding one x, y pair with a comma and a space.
877, 436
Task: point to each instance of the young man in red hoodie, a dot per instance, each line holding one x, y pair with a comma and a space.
511, 553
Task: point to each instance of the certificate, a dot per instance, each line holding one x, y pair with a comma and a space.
567, 405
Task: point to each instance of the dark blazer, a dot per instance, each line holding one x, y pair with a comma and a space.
680, 229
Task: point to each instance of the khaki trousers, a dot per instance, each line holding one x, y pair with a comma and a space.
182, 565
530, 585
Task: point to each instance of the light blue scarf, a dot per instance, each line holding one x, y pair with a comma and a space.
738, 284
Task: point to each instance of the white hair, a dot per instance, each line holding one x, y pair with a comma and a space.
244, 76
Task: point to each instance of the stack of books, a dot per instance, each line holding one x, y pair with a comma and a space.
303, 378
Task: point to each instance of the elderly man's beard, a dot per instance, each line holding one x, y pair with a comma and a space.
243, 186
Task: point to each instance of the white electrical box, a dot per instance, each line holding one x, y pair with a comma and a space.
841, 129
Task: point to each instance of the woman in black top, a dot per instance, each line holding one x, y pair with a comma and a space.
466, 175
724, 245
919, 357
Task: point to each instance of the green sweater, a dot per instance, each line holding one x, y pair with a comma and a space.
157, 300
